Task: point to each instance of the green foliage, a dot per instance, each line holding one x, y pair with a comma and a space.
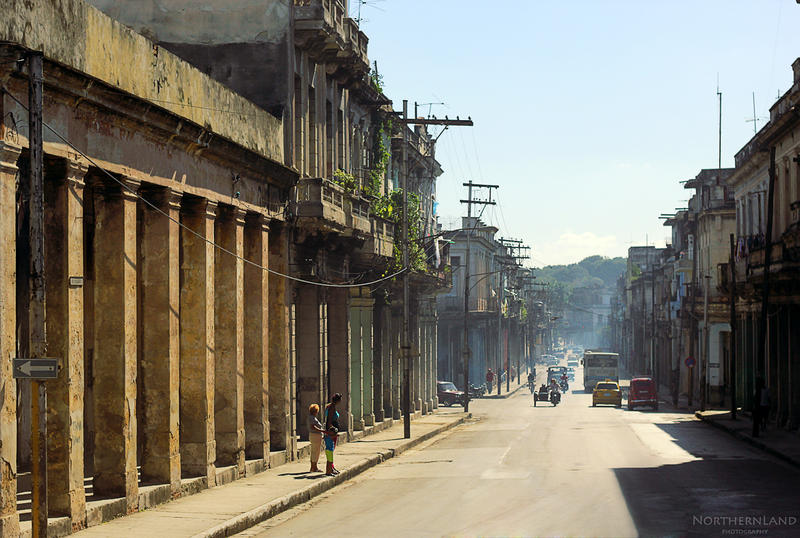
636, 272
375, 78
381, 158
594, 271
345, 180
390, 207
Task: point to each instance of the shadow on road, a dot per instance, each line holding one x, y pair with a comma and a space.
713, 495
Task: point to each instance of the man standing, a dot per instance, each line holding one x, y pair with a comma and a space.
489, 379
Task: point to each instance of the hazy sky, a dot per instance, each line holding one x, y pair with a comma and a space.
587, 113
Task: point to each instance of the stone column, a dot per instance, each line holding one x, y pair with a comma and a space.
339, 352
367, 305
397, 364
115, 338
9, 522
387, 357
356, 362
378, 363
416, 359
309, 359
229, 338
435, 365
280, 405
64, 259
256, 339
160, 354
197, 344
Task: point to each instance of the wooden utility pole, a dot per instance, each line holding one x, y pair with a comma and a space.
469, 228
406, 344
732, 264
38, 337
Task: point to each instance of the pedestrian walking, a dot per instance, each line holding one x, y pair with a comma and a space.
489, 379
315, 433
331, 433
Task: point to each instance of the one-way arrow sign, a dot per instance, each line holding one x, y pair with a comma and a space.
35, 368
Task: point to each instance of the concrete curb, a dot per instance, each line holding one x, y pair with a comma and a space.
276, 506
749, 440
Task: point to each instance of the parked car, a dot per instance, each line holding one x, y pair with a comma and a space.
448, 394
642, 392
607, 392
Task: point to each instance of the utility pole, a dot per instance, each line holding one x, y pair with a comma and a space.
515, 247
406, 344
704, 365
500, 327
469, 228
692, 317
732, 263
38, 335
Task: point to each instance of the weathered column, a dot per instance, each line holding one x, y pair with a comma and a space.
309, 359
197, 343
416, 356
64, 259
280, 404
229, 338
387, 347
160, 354
9, 522
435, 364
256, 339
115, 338
397, 364
378, 360
356, 362
367, 305
339, 352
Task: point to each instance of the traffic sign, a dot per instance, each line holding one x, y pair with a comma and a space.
36, 368
690, 362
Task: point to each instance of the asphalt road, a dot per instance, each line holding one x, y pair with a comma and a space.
570, 470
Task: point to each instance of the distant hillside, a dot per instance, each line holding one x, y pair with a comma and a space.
591, 271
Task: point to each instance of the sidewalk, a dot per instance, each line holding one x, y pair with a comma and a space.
230, 508
780, 443
503, 395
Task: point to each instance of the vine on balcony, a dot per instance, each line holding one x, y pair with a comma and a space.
390, 207
382, 156
346, 181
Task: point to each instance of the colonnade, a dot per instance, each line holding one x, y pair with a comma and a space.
164, 340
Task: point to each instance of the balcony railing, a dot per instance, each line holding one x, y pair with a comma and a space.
323, 199
323, 26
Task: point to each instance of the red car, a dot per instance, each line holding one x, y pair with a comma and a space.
642, 392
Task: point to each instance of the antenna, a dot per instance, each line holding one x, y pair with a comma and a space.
755, 118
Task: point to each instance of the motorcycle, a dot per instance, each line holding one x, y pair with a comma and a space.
555, 397
531, 386
564, 385
477, 391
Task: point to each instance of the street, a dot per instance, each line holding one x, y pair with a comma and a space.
576, 470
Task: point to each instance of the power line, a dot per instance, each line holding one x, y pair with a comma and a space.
196, 234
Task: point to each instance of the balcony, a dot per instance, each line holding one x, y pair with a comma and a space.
381, 240
323, 28
338, 211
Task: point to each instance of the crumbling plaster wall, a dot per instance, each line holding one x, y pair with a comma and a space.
79, 36
244, 44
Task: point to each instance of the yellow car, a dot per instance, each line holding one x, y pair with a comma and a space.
607, 392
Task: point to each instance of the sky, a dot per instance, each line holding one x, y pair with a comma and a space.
587, 114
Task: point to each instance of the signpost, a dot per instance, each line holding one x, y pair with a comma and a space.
690, 362
45, 368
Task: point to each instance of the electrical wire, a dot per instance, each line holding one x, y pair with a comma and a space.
196, 234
